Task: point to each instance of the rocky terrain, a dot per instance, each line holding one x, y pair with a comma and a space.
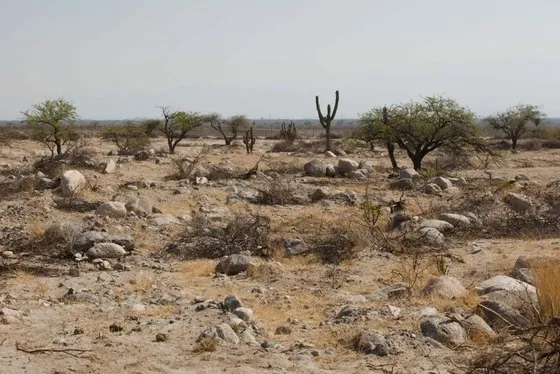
214, 260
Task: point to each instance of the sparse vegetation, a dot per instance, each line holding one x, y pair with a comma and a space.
129, 138
51, 124
514, 121
177, 124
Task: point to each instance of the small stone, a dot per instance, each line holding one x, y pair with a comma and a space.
283, 330
161, 337
114, 327
246, 314
232, 302
74, 272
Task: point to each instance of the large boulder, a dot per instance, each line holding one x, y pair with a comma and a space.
141, 206
505, 283
233, 264
162, 220
356, 174
62, 232
106, 250
441, 226
112, 209
476, 325
443, 183
517, 202
319, 194
408, 173
509, 291
524, 268
499, 315
431, 236
88, 239
72, 182
447, 332
346, 165
446, 287
432, 189
371, 343
402, 184
315, 168
456, 220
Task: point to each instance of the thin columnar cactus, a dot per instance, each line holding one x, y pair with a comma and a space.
326, 121
249, 140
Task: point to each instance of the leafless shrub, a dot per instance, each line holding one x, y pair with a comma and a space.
205, 239
551, 144
278, 191
283, 167
537, 350
79, 154
187, 165
338, 245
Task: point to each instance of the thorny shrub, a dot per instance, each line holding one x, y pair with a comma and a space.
206, 239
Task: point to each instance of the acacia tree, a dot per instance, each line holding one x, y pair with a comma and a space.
514, 121
436, 122
51, 122
377, 125
229, 129
176, 125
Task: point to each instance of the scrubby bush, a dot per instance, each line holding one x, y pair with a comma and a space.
52, 124
206, 239
129, 138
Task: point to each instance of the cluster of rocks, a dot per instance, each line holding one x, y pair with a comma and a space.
431, 231
240, 328
345, 167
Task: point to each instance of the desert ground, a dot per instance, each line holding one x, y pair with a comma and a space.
398, 295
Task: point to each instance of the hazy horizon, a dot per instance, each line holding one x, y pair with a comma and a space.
121, 59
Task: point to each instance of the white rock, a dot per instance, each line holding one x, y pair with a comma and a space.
72, 182
443, 183
110, 167
346, 165
112, 209
106, 250
517, 202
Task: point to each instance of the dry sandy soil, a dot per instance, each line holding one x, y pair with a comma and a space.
155, 293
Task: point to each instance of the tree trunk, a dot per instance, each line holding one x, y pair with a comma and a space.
391, 152
417, 161
228, 140
58, 147
171, 146
328, 131
514, 143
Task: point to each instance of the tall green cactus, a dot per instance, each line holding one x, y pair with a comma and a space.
249, 140
289, 132
326, 121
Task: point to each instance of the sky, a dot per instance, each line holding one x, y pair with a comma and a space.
118, 59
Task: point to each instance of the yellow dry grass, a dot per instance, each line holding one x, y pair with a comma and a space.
547, 282
36, 229
163, 311
198, 268
42, 289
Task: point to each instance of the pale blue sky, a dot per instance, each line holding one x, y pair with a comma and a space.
121, 58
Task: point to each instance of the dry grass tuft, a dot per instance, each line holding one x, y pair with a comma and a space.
547, 282
163, 311
206, 345
36, 229
198, 268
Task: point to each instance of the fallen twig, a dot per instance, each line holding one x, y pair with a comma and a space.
70, 351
